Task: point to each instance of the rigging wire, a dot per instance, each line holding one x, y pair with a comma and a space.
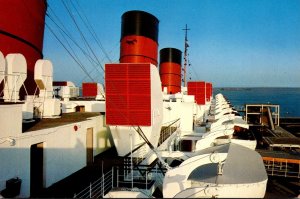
141, 133
71, 49
65, 34
81, 34
92, 32
83, 37
91, 29
195, 72
79, 63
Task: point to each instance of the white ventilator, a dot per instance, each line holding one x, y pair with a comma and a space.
2, 67
43, 77
16, 74
46, 105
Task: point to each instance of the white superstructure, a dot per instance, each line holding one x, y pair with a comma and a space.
38, 151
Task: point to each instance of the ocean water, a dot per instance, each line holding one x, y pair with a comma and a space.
287, 98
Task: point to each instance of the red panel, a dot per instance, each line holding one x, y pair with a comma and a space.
208, 91
211, 90
198, 90
128, 94
170, 75
22, 31
138, 49
89, 89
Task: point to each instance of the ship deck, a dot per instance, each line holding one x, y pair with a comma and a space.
281, 156
283, 142
76, 182
66, 118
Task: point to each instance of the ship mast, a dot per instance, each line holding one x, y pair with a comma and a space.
185, 54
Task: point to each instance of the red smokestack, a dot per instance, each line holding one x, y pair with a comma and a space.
22, 31
139, 38
170, 69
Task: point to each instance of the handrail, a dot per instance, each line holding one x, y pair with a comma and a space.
105, 183
173, 122
98, 187
168, 129
282, 168
137, 148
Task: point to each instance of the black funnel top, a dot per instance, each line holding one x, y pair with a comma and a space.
170, 55
139, 23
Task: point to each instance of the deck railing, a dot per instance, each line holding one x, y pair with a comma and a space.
98, 188
283, 168
168, 129
123, 179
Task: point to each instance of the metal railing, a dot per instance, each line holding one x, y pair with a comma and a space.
125, 178
282, 168
98, 188
168, 129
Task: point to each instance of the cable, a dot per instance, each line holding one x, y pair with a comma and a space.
65, 32
82, 36
91, 30
81, 66
140, 132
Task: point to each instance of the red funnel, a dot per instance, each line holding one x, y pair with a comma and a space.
139, 38
22, 31
170, 69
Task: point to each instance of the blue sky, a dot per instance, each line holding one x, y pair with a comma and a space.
235, 43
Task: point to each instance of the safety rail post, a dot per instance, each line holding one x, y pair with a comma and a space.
117, 176
102, 185
286, 166
299, 169
131, 164
146, 179
273, 167
112, 177
90, 190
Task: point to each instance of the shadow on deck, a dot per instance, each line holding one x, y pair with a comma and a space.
82, 178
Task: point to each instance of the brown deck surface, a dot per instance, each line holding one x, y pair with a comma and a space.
281, 132
65, 118
283, 140
280, 156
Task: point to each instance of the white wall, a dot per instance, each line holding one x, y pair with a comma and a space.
64, 150
182, 110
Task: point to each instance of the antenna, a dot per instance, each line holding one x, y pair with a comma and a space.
186, 45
